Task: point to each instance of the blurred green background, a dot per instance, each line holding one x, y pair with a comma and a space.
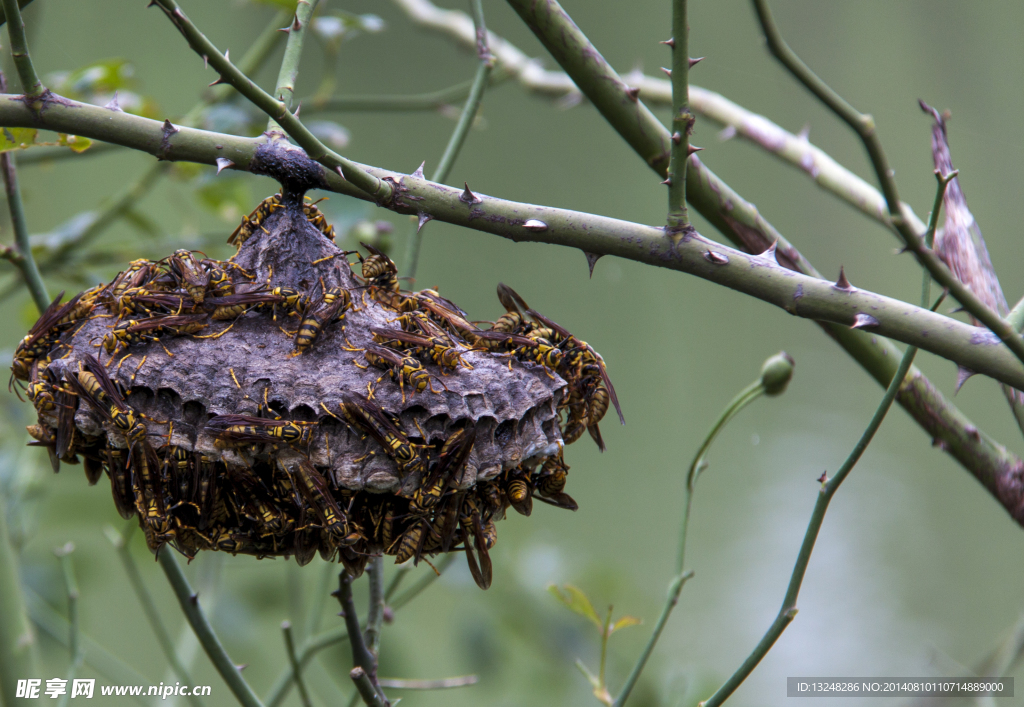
917, 570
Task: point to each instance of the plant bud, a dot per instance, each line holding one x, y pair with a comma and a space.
776, 373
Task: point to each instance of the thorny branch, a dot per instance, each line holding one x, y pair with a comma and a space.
292, 53
678, 221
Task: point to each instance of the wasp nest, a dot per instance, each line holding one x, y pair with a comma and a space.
278, 404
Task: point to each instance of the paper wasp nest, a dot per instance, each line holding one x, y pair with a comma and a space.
277, 404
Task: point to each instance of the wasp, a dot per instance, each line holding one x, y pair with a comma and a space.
313, 487
244, 430
235, 305
451, 459
381, 276
368, 416
401, 369
330, 307
520, 494
45, 332
137, 274
220, 282
138, 300
189, 274
550, 484
132, 331
433, 342
150, 500
67, 404
94, 385
472, 525
206, 493
254, 220
315, 217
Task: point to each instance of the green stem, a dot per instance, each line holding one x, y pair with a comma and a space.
384, 103
828, 489
674, 590
748, 395
279, 691
289, 73
204, 632
682, 120
74, 637
371, 185
375, 615
25, 262
31, 86
163, 637
16, 636
293, 660
21, 3
864, 126
365, 688
458, 137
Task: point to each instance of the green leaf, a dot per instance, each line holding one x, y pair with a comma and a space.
17, 138
576, 601
624, 622
75, 142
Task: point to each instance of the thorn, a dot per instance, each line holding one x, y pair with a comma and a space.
169, 129
901, 251
677, 137
419, 170
842, 283
297, 109
422, 218
535, 225
206, 62
694, 62
226, 52
668, 72
220, 79
823, 479
690, 149
667, 181
592, 259
340, 171
972, 432
805, 132
223, 163
468, 197
716, 258
670, 42
336, 593
770, 252
634, 93
864, 321
241, 667
194, 599
962, 374
113, 105
286, 30
296, 25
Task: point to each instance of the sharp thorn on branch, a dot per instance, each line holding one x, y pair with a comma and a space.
340, 171
592, 259
634, 93
113, 105
690, 149
770, 252
694, 62
286, 30
296, 25
226, 57
962, 374
677, 137
842, 283
418, 174
535, 225
864, 321
223, 163
422, 217
668, 72
219, 80
805, 132
670, 42
297, 109
468, 197
667, 181
716, 258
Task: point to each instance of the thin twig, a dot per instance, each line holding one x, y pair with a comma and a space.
163, 638
673, 598
229, 73
22, 257
74, 635
189, 602
21, 3
361, 656
293, 660
279, 691
386, 103
412, 592
458, 137
864, 126
439, 684
31, 86
289, 73
17, 639
682, 121
365, 688
375, 615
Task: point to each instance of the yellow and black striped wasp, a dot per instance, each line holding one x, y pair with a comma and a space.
45, 332
400, 368
132, 331
92, 384
380, 274
436, 345
189, 273
369, 417
313, 487
235, 305
475, 537
245, 430
330, 307
549, 484
254, 220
